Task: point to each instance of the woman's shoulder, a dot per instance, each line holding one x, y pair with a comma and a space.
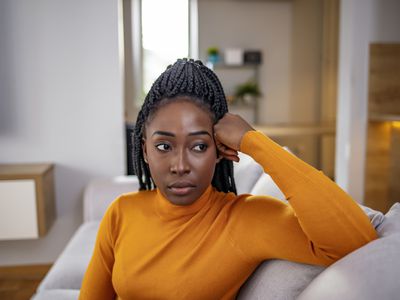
255, 212
251, 205
247, 203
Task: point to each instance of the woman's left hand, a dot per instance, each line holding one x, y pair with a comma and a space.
228, 134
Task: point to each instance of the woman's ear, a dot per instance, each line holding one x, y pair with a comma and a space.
144, 149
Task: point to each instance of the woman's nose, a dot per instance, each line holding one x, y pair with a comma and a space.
180, 164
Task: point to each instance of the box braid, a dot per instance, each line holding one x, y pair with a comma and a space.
195, 82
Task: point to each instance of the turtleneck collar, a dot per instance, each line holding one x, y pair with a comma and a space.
169, 211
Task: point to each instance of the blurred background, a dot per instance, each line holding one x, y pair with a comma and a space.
319, 76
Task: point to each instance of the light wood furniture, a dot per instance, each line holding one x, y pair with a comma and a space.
27, 206
296, 129
382, 166
296, 137
20, 282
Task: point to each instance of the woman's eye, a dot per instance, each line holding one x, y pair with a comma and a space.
200, 148
163, 147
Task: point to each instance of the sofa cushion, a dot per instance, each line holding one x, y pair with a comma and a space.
56, 295
391, 224
246, 173
376, 217
68, 271
371, 272
266, 186
278, 279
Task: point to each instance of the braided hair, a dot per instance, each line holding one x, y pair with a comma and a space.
196, 83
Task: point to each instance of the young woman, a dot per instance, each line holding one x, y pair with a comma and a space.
186, 234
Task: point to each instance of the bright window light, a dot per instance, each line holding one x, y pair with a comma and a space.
165, 36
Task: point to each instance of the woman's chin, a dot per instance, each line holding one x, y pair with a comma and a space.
182, 196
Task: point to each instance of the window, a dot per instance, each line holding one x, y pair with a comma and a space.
165, 36
154, 33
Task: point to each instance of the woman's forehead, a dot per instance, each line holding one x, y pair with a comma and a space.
182, 116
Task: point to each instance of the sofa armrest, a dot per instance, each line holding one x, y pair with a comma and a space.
99, 194
370, 272
58, 294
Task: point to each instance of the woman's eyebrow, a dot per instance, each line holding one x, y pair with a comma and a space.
159, 132
200, 132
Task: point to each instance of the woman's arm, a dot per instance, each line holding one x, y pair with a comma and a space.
97, 282
322, 222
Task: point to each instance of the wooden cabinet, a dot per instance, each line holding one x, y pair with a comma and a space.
297, 136
382, 166
27, 205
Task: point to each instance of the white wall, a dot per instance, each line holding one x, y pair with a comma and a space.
362, 22
61, 102
262, 25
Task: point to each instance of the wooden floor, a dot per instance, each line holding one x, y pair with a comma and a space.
20, 282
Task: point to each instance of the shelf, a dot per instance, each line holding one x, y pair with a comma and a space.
244, 66
281, 130
384, 117
229, 80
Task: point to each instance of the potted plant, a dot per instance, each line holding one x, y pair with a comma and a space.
213, 55
247, 92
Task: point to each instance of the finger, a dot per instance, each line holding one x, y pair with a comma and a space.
226, 149
233, 158
229, 151
230, 157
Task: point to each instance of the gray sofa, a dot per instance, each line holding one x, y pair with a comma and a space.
371, 272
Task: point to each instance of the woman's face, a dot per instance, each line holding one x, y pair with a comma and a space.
180, 150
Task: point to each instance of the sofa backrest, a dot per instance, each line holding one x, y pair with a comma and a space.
99, 194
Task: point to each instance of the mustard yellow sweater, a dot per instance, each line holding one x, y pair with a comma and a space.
149, 248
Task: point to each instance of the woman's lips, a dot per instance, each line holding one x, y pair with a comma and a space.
181, 191
181, 188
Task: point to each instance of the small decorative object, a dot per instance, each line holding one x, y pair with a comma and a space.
27, 206
252, 57
230, 99
247, 92
234, 56
213, 55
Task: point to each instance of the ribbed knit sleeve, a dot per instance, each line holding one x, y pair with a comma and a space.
320, 224
97, 282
